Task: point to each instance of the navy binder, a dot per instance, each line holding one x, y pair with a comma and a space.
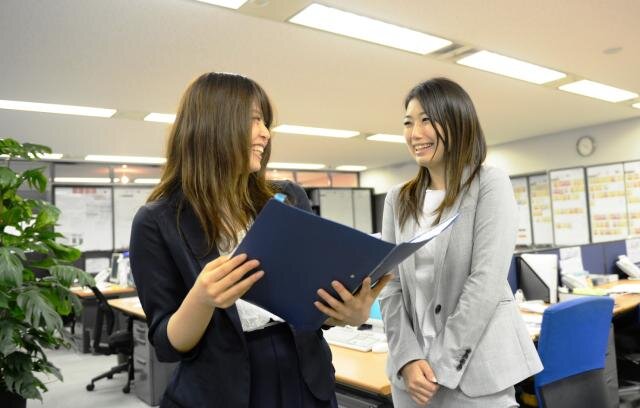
301, 253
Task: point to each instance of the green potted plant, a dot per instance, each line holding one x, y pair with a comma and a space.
31, 307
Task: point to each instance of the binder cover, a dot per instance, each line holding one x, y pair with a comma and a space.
301, 252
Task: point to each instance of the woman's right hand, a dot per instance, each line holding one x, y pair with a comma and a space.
420, 381
220, 283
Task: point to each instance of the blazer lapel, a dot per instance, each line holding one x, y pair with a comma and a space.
442, 241
194, 238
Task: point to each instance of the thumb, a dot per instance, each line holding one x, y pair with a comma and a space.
428, 373
380, 285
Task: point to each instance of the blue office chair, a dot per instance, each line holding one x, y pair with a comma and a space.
572, 347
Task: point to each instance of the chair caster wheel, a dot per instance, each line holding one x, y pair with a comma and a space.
126, 389
90, 387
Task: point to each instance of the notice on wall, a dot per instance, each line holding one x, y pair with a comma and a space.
521, 193
569, 207
541, 209
86, 217
126, 202
607, 202
632, 187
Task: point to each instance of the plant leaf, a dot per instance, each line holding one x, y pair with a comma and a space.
8, 178
67, 274
10, 267
35, 178
7, 345
48, 216
38, 310
64, 252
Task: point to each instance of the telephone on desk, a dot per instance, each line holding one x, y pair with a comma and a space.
627, 266
572, 281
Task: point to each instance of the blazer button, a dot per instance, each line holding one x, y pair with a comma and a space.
459, 367
438, 308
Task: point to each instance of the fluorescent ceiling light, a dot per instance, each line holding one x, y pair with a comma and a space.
511, 67
598, 91
232, 4
351, 168
381, 137
367, 29
313, 131
160, 117
61, 109
636, 105
95, 180
296, 166
125, 159
41, 156
146, 181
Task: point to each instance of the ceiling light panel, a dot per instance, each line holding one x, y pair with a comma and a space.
598, 91
511, 67
296, 166
314, 131
160, 117
54, 108
232, 4
382, 137
351, 167
367, 29
125, 159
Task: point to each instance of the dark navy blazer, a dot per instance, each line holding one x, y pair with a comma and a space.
166, 258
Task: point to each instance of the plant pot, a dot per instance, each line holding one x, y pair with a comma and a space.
11, 400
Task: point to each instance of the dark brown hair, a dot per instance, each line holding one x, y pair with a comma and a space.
445, 103
208, 155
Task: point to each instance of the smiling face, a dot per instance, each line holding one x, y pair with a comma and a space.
260, 137
421, 137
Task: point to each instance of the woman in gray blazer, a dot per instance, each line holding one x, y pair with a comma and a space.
455, 336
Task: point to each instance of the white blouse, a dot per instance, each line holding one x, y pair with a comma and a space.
424, 277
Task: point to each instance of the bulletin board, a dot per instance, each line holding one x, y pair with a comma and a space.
541, 220
607, 202
86, 218
521, 193
632, 189
126, 202
569, 206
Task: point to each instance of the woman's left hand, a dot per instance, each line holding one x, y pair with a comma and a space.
351, 310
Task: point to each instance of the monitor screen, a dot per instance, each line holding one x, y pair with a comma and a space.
375, 312
113, 277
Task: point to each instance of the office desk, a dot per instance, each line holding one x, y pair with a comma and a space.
89, 305
357, 373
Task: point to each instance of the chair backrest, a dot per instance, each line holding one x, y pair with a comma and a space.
104, 314
573, 338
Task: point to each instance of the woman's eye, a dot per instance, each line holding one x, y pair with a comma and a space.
426, 120
406, 124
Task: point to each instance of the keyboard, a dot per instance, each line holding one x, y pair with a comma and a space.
350, 337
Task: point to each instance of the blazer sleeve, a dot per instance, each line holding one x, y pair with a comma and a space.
160, 286
494, 237
296, 195
403, 344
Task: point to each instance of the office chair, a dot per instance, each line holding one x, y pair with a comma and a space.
119, 342
572, 347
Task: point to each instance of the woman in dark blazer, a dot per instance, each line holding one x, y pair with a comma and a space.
231, 354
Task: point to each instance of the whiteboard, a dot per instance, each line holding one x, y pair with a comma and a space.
607, 202
521, 193
632, 187
569, 207
541, 209
126, 202
86, 219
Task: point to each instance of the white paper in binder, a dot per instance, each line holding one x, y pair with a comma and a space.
546, 267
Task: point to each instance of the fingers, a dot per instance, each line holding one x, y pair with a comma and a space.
428, 372
215, 263
329, 311
380, 285
344, 294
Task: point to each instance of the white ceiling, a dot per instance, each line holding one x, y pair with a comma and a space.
138, 57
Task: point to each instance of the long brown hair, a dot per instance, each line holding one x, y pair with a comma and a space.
445, 102
208, 155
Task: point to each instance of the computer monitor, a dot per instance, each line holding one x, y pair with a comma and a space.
375, 312
538, 277
113, 276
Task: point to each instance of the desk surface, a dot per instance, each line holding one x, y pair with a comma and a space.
356, 369
107, 290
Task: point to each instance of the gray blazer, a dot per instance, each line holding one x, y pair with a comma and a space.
481, 344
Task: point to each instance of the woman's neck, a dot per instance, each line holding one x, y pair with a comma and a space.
436, 179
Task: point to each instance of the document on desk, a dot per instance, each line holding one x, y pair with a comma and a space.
301, 252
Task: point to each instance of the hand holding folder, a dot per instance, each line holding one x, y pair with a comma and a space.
301, 253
